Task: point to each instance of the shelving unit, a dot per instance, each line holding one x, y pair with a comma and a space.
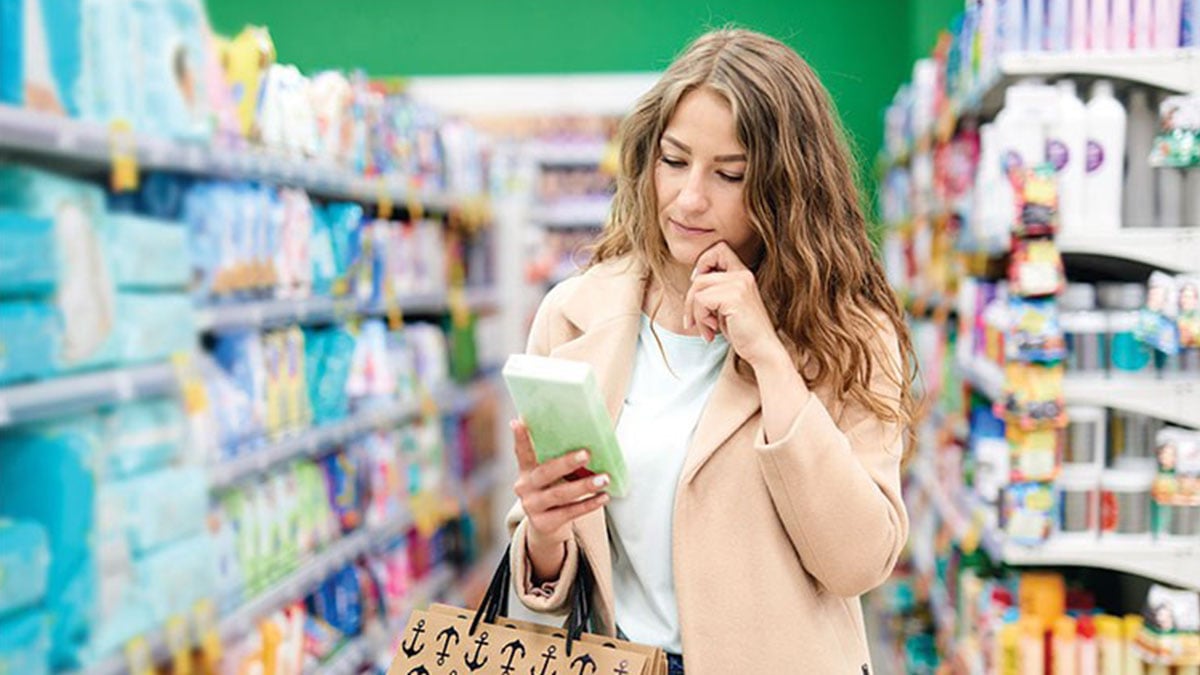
1171, 563
267, 313
572, 215
78, 393
573, 154
1174, 249
90, 144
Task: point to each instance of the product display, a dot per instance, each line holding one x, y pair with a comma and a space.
1039, 450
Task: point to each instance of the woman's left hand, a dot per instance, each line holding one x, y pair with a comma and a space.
724, 298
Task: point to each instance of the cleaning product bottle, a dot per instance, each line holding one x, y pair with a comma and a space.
1143, 24
1035, 25
1066, 149
1063, 647
1058, 26
1088, 656
1131, 627
1098, 25
1120, 19
1112, 656
1033, 646
1167, 19
1105, 159
1008, 650
1079, 25
1139, 176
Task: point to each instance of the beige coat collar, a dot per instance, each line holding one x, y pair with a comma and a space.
606, 307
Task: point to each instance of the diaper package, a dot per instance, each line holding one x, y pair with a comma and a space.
31, 337
25, 643
24, 563
29, 257
11, 45
51, 55
145, 253
153, 326
142, 436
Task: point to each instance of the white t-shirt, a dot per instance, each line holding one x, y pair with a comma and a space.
656, 425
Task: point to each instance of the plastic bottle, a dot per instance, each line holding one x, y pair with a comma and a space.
1058, 25
1169, 190
1066, 149
1033, 646
1108, 637
1139, 175
1035, 25
1191, 199
1008, 650
1012, 26
1131, 627
1079, 25
1098, 25
1143, 24
1063, 647
1167, 19
1089, 655
1120, 25
1105, 159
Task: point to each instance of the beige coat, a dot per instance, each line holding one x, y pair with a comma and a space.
773, 542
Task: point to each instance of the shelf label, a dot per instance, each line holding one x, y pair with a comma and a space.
179, 646
137, 656
123, 148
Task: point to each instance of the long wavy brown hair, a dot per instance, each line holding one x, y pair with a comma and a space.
818, 276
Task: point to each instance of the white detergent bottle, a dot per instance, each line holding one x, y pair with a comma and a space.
1139, 176
1105, 159
1066, 149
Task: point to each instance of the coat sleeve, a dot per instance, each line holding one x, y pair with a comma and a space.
836, 487
548, 597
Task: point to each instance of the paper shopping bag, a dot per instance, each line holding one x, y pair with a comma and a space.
445, 640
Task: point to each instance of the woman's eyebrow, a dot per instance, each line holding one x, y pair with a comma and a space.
720, 159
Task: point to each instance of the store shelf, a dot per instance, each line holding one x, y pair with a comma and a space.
1176, 564
589, 214
567, 153
451, 399
308, 443
1177, 402
267, 313
78, 393
90, 143
1175, 249
1174, 70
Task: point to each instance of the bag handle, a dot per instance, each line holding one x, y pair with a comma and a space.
580, 618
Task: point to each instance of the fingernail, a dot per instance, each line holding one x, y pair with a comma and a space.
581, 456
600, 481
512, 424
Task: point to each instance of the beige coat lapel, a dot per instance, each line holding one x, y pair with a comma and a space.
733, 401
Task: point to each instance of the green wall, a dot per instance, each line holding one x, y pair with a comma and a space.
861, 50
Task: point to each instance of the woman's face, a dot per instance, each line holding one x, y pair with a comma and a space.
700, 179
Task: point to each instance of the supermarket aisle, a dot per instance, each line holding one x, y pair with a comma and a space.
1043, 231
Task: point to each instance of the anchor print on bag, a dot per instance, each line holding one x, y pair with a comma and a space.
475, 663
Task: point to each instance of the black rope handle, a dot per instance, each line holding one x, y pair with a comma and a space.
580, 617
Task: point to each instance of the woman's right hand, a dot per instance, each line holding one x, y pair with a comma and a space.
552, 502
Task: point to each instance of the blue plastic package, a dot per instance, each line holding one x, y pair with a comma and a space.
158, 508
178, 576
30, 340
25, 644
145, 253
24, 563
153, 326
46, 475
142, 436
108, 85
162, 195
29, 257
51, 55
12, 62
173, 79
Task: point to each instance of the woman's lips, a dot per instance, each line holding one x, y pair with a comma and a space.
686, 231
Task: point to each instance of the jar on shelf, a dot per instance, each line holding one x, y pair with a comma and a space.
1127, 356
1086, 334
1078, 489
1132, 438
1087, 429
1125, 504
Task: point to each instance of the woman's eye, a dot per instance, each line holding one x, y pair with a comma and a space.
674, 163
731, 178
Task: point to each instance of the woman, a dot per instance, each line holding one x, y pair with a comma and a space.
755, 360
